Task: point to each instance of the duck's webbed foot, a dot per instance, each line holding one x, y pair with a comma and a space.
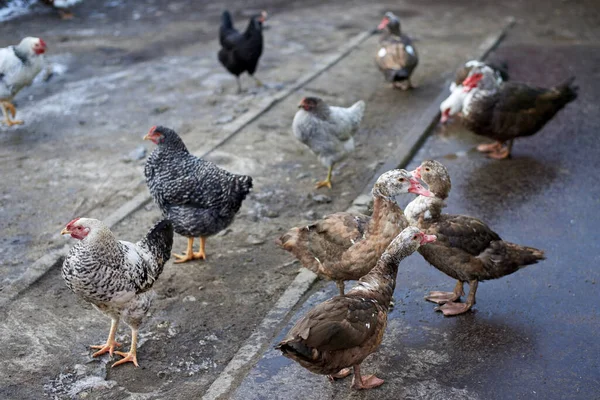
489, 147
452, 308
442, 297
368, 382
340, 375
446, 297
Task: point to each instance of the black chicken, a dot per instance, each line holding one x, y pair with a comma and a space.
240, 51
200, 198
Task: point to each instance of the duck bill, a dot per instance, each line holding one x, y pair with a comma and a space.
428, 239
417, 188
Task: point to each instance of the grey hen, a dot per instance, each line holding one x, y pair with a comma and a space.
327, 130
116, 276
200, 198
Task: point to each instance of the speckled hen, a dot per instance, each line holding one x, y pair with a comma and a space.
116, 276
467, 249
345, 246
200, 198
341, 332
327, 130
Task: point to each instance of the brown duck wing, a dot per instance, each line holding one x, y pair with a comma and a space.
326, 239
522, 110
337, 324
465, 233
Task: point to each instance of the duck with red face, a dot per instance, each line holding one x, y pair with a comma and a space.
505, 111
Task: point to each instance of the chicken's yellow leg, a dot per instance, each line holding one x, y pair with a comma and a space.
201, 254
7, 109
130, 356
110, 345
189, 254
326, 182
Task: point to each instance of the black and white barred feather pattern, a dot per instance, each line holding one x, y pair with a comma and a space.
200, 198
115, 275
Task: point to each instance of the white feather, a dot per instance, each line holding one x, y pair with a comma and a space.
382, 52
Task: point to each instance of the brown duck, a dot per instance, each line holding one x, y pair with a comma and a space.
345, 246
341, 332
466, 248
397, 56
509, 111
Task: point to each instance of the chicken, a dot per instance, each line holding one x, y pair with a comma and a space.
397, 56
327, 130
116, 276
63, 7
240, 52
200, 198
19, 65
345, 246
342, 331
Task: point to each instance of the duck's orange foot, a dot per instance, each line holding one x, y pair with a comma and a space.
451, 308
127, 357
489, 147
341, 374
367, 382
442, 297
109, 348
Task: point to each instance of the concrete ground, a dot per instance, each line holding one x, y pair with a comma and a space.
132, 65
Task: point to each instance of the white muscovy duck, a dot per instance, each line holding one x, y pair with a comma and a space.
506, 111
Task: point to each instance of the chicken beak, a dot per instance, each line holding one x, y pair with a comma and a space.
417, 188
65, 231
428, 239
147, 137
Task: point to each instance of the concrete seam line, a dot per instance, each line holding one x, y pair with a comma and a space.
222, 386
42, 265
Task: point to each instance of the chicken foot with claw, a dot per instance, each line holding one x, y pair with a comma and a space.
189, 254
7, 109
109, 346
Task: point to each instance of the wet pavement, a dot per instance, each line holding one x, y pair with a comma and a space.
532, 334
532, 331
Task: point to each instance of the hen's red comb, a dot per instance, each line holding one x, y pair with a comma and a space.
70, 224
43, 43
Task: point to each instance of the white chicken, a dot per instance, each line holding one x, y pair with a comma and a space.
327, 130
19, 65
116, 276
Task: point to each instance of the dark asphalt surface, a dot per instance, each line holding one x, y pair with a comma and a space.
533, 334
